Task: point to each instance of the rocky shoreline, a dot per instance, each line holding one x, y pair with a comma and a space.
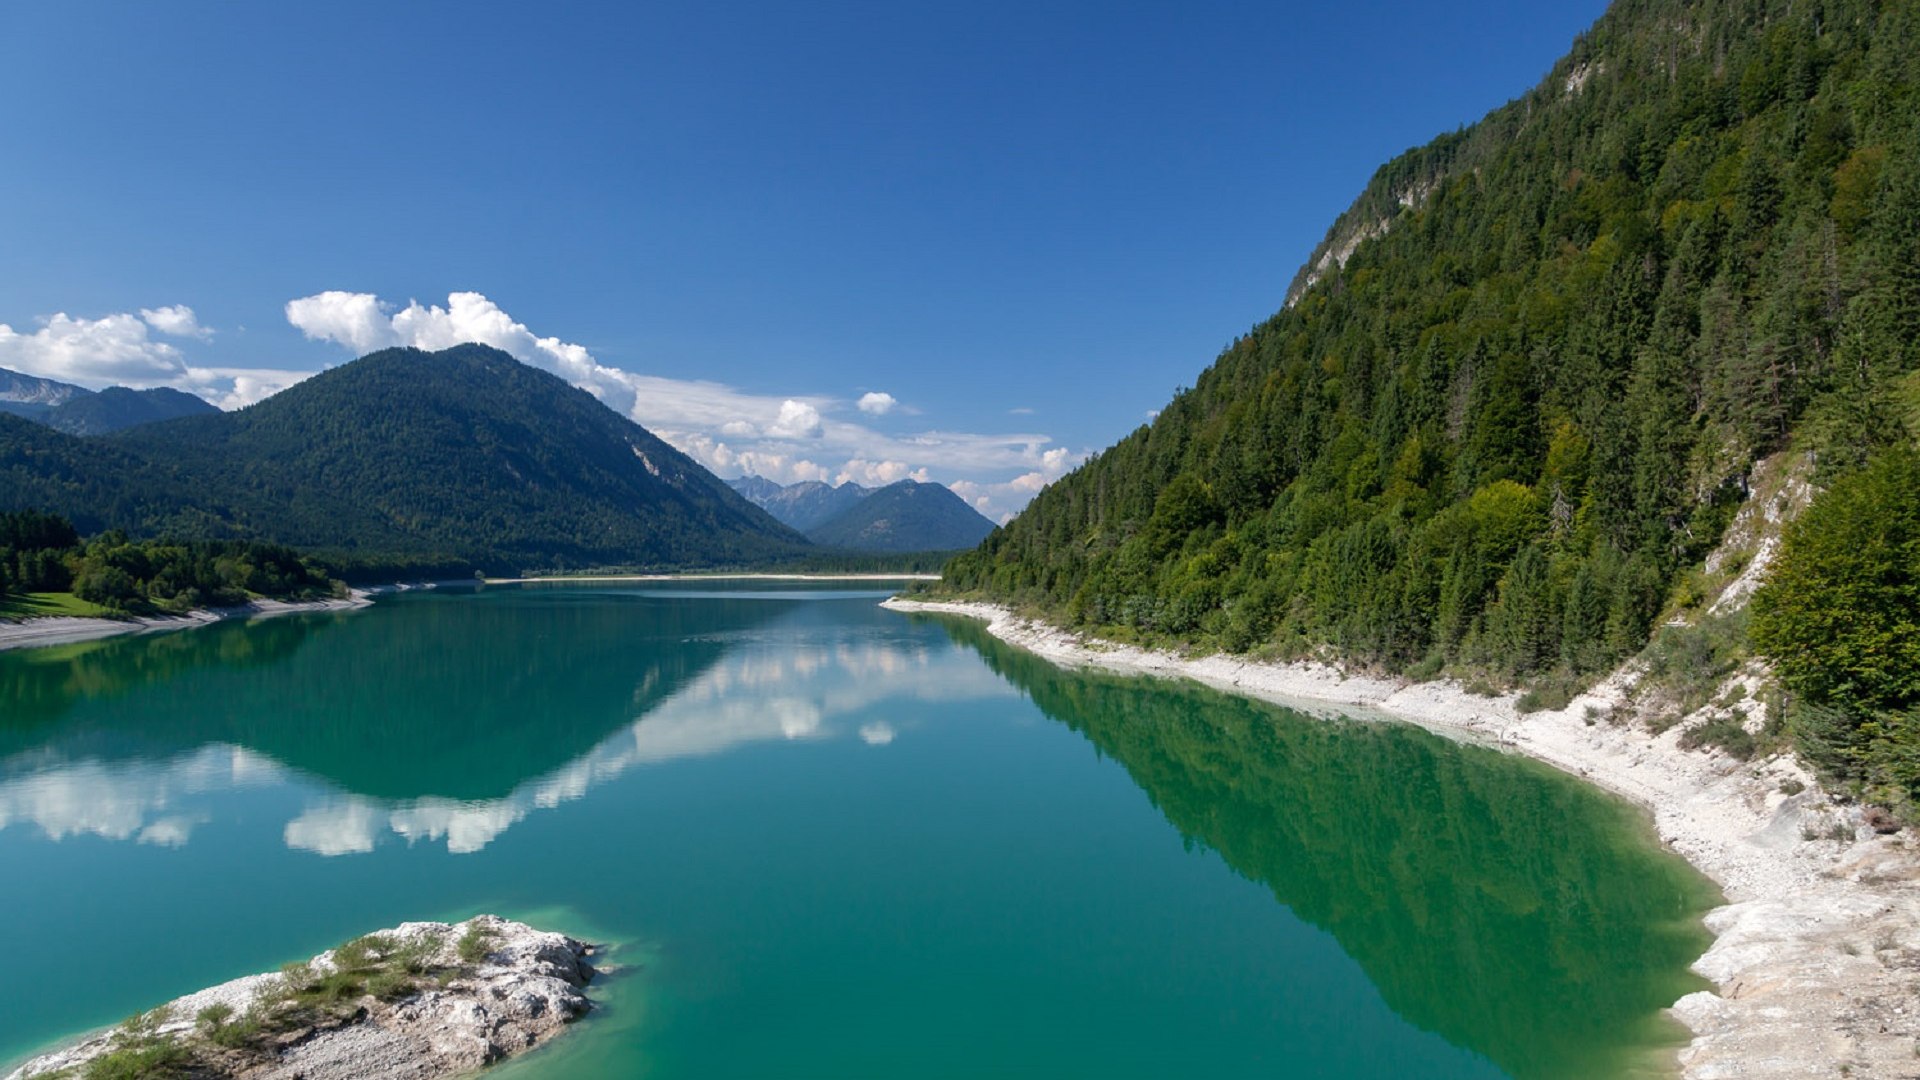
67, 629
422, 1000
1816, 957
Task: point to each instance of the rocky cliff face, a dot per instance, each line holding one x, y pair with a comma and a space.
421, 1000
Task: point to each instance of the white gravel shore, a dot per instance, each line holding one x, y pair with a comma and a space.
1816, 958
65, 629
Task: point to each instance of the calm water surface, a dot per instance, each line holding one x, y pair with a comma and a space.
823, 840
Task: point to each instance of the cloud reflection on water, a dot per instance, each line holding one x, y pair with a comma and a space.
764, 692
151, 802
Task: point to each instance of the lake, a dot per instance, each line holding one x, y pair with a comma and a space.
823, 839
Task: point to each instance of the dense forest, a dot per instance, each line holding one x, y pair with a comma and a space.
1533, 396
44, 553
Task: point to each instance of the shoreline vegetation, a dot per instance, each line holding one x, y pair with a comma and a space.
1822, 921
58, 589
424, 1000
40, 630
35, 631
719, 575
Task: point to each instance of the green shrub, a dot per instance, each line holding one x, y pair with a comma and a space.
1837, 618
1552, 691
1726, 731
476, 943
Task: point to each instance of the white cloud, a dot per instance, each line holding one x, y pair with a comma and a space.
797, 420
785, 438
175, 320
879, 733
236, 388
361, 322
120, 350
879, 473
92, 352
352, 319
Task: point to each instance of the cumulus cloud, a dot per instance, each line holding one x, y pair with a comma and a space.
92, 352
351, 319
175, 320
362, 323
236, 388
785, 438
121, 350
797, 420
879, 473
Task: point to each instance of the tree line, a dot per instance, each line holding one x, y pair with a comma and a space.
44, 553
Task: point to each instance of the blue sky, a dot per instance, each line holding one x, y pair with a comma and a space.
1017, 225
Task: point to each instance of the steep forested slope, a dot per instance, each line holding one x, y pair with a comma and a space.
1522, 384
403, 458
117, 408
93, 485
466, 452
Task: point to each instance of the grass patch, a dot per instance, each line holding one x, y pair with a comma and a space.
40, 605
150, 1057
1553, 691
476, 943
1727, 731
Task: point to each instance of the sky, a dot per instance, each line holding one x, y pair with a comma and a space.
968, 242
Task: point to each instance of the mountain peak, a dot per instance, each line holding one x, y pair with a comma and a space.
907, 515
464, 453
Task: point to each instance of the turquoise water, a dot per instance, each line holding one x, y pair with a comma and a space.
822, 840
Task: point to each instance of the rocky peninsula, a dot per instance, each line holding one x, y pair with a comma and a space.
422, 1000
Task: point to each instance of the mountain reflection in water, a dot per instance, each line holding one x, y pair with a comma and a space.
703, 691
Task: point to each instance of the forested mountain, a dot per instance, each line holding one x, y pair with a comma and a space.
117, 408
404, 457
906, 516
96, 486
1521, 387
79, 411
802, 506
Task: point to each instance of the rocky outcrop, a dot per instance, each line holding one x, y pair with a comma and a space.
422, 1000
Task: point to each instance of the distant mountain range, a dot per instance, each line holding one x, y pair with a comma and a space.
803, 506
901, 517
29, 395
79, 411
404, 457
